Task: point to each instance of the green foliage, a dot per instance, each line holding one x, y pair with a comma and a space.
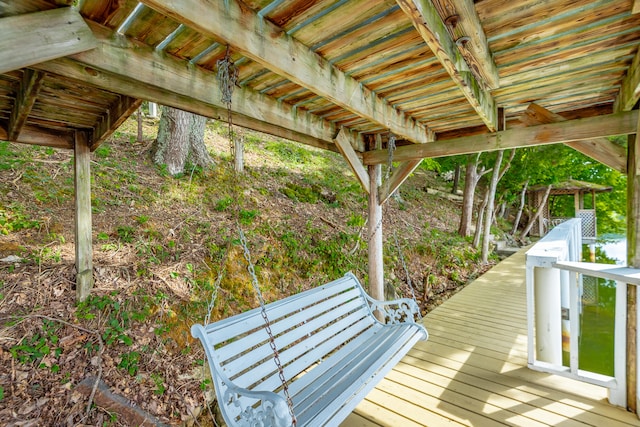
223, 203
35, 347
126, 233
13, 218
300, 193
289, 153
247, 216
130, 362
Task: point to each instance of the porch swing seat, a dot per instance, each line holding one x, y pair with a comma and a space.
332, 348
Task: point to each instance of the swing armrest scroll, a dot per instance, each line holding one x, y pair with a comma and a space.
401, 310
269, 407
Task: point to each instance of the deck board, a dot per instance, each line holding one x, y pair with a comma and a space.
472, 371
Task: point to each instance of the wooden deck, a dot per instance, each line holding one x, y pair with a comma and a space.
472, 371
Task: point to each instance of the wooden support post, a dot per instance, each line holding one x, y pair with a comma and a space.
376, 267
238, 149
84, 247
633, 260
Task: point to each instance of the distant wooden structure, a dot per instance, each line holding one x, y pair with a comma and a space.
585, 211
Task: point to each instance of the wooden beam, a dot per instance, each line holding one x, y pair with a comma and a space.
630, 89
554, 133
25, 98
426, 20
635, 8
34, 135
633, 260
476, 51
111, 120
260, 40
399, 175
344, 143
141, 72
37, 37
84, 246
600, 149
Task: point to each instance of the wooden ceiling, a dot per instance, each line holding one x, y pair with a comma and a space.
458, 72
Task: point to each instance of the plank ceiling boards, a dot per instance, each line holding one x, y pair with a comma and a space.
309, 67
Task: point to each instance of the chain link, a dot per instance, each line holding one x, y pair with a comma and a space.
227, 80
267, 323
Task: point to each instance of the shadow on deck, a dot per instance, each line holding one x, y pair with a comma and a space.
473, 370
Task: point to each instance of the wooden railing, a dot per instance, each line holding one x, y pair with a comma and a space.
554, 277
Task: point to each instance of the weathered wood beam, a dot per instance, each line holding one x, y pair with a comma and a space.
269, 45
600, 149
139, 71
37, 37
25, 98
83, 241
344, 143
374, 233
633, 260
476, 51
399, 175
34, 135
111, 120
553, 133
635, 8
630, 89
426, 20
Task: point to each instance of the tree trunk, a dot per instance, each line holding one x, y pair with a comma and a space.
491, 195
180, 136
479, 222
470, 181
535, 217
516, 222
140, 136
456, 180
472, 176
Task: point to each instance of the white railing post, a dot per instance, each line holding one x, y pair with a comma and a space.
618, 395
548, 315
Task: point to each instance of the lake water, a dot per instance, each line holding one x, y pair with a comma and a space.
598, 310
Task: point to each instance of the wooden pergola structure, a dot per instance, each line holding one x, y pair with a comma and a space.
444, 77
572, 187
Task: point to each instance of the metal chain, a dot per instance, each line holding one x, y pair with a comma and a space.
267, 323
406, 273
227, 79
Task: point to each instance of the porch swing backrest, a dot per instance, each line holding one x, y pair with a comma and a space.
332, 348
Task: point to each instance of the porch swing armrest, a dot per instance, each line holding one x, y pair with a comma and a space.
401, 310
269, 409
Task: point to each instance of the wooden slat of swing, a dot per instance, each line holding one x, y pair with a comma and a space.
332, 349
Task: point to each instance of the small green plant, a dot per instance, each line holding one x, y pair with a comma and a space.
247, 216
129, 362
159, 383
1, 393
13, 219
223, 203
34, 348
125, 233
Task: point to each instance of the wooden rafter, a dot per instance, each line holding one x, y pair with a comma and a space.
112, 119
25, 98
426, 20
146, 74
554, 133
36, 37
476, 50
344, 141
36, 135
600, 149
399, 175
630, 89
269, 45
